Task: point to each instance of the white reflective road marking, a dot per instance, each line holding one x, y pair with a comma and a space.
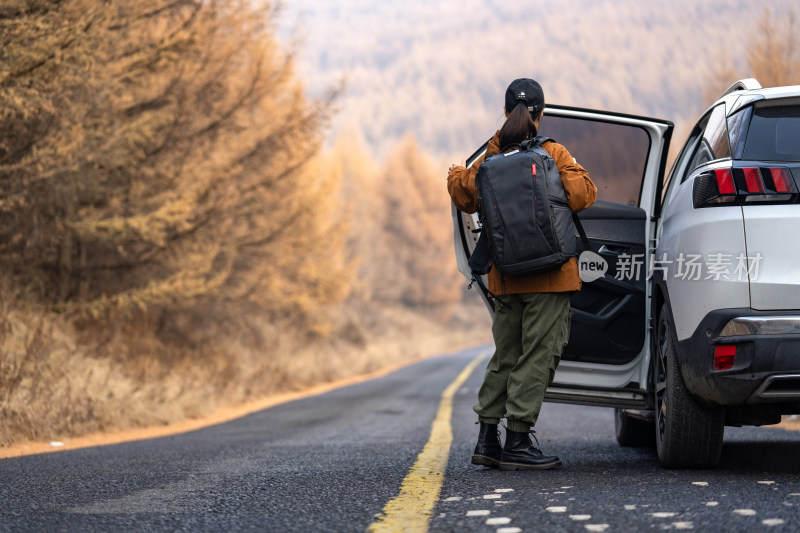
479, 512
498, 521
557, 509
744, 512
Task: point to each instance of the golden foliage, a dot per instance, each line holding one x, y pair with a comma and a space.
400, 231
773, 55
155, 153
418, 232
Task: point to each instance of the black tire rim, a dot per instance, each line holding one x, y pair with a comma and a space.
661, 379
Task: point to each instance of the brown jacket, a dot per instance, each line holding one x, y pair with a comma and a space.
581, 193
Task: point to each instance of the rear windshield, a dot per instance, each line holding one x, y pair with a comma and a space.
774, 134
614, 154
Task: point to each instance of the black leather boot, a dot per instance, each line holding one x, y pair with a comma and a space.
488, 450
519, 453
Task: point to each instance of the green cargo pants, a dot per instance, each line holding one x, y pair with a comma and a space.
529, 337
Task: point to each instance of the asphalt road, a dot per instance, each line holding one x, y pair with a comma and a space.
332, 462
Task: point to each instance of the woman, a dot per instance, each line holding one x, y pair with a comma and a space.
531, 332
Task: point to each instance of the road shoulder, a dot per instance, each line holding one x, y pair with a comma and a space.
218, 417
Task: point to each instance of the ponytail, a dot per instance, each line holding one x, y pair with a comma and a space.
518, 126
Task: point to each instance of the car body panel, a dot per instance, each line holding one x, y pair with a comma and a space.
770, 237
687, 233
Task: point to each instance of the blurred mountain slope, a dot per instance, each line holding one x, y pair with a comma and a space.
438, 70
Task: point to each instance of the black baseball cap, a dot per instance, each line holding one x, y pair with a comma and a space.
527, 91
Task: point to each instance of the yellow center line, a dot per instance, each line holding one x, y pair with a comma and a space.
411, 509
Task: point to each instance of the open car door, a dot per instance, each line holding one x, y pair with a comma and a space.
607, 359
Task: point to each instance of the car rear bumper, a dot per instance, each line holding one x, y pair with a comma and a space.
766, 367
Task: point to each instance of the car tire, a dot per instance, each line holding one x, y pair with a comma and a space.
632, 431
688, 434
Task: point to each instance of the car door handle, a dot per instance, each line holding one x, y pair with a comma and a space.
612, 250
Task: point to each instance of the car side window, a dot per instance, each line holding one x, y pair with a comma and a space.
702, 156
690, 151
681, 167
707, 142
615, 154
738, 123
714, 144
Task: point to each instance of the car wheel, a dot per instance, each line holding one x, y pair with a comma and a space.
632, 431
687, 434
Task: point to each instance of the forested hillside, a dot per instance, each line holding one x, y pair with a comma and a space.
439, 69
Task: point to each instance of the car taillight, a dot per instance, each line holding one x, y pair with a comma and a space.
743, 186
724, 179
724, 356
781, 180
752, 178
714, 188
765, 185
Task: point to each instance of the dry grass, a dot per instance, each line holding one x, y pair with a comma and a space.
58, 382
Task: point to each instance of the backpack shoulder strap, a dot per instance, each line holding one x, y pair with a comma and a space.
581, 232
508, 147
536, 142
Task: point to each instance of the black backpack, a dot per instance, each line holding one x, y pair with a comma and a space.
528, 226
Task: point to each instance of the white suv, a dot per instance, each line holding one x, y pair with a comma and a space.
689, 316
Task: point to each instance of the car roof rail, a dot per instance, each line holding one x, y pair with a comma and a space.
747, 84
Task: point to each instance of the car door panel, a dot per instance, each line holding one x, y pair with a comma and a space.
608, 322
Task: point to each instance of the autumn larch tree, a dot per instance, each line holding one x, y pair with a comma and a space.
154, 155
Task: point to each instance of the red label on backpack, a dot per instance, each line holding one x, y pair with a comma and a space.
533, 168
